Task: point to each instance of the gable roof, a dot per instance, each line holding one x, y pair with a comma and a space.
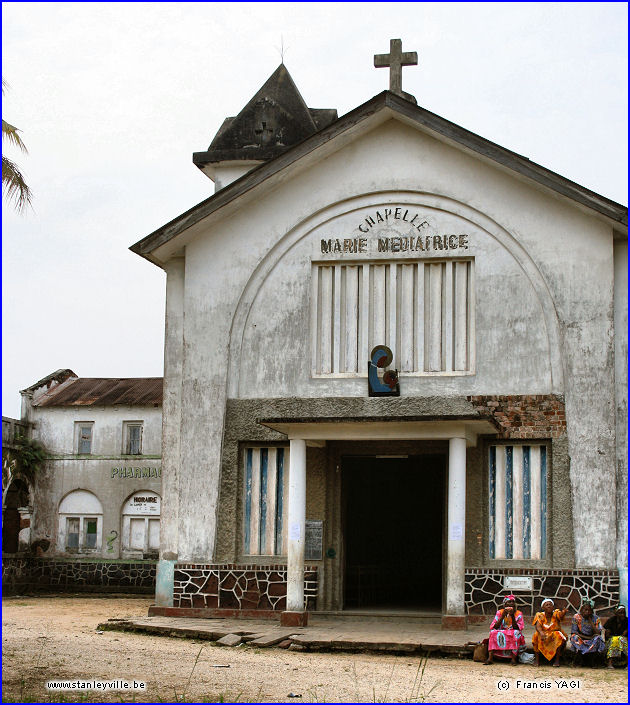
413, 114
99, 391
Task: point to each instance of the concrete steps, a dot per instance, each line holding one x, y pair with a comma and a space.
367, 616
366, 631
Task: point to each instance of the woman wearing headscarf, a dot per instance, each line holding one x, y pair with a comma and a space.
586, 631
616, 632
506, 633
549, 639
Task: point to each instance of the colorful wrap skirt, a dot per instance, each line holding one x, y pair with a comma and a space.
549, 643
508, 641
617, 646
594, 645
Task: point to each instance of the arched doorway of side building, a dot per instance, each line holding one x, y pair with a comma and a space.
15, 515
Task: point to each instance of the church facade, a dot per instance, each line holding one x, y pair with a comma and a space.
395, 371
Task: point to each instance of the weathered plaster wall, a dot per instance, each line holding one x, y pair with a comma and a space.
513, 348
110, 476
62, 476
55, 428
536, 256
621, 403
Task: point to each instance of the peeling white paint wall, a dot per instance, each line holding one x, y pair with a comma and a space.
621, 403
107, 474
544, 311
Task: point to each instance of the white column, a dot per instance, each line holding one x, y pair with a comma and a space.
297, 516
171, 430
456, 526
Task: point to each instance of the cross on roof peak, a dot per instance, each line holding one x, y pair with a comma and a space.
395, 60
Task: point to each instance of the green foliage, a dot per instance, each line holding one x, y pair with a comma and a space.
27, 456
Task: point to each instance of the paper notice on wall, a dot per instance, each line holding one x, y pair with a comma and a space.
313, 539
294, 532
456, 532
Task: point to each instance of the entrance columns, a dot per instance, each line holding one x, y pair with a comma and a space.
295, 614
455, 600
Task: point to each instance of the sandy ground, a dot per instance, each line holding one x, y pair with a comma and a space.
55, 638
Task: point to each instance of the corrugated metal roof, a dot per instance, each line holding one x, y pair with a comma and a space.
97, 391
59, 376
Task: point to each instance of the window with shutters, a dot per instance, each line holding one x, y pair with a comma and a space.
83, 431
517, 491
132, 437
80, 523
422, 310
90, 525
72, 532
264, 515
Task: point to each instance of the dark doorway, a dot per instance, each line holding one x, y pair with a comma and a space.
393, 525
17, 496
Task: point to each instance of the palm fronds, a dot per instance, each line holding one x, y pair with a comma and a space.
14, 187
11, 134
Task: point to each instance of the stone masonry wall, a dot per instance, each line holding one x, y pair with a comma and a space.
485, 591
243, 587
524, 416
23, 573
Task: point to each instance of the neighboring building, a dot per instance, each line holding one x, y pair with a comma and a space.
499, 286
99, 493
17, 502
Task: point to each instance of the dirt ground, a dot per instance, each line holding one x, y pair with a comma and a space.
47, 638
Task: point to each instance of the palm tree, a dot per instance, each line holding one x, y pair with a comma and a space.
14, 187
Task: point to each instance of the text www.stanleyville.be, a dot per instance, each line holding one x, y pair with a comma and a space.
568, 684
103, 686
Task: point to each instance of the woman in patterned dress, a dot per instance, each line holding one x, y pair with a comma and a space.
549, 639
616, 632
586, 631
506, 633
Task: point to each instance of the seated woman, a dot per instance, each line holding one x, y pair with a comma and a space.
616, 632
586, 631
506, 633
549, 639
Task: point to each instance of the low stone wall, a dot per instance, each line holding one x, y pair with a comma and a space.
22, 573
242, 587
485, 591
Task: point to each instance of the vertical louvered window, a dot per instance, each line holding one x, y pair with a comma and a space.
264, 505
423, 311
518, 501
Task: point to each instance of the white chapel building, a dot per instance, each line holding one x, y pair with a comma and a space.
296, 475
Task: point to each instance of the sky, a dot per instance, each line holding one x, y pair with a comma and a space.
113, 98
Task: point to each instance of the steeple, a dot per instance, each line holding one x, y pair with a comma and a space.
275, 119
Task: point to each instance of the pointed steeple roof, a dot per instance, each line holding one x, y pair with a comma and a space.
275, 119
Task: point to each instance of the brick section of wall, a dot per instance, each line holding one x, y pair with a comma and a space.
485, 591
243, 587
20, 573
524, 416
